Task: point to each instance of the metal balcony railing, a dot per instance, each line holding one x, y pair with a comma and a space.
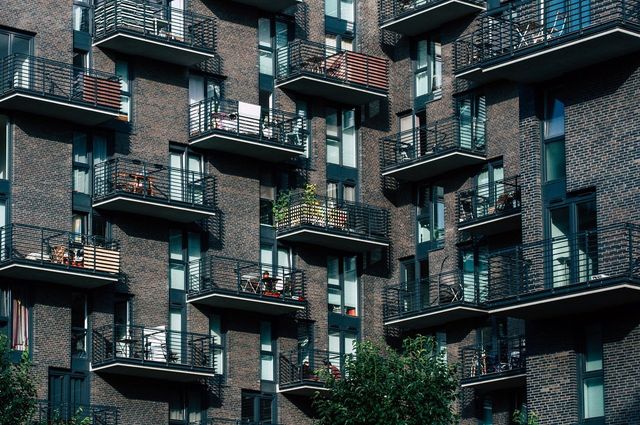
59, 81
62, 413
220, 421
307, 58
219, 274
524, 27
303, 367
593, 258
436, 292
334, 216
433, 140
156, 22
153, 346
154, 182
268, 126
507, 356
394, 9
489, 200
52, 248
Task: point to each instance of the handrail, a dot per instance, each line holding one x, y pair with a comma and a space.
489, 200
154, 21
304, 366
47, 411
59, 81
508, 355
394, 9
154, 182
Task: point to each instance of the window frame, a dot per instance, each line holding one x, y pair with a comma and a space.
125, 115
339, 137
269, 353
431, 215
593, 330
433, 68
550, 97
343, 309
256, 397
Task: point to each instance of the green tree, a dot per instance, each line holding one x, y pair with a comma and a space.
382, 386
17, 389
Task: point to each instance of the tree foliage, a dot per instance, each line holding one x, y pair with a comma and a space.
382, 386
17, 389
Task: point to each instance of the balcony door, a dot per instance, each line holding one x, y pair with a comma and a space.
489, 187
414, 285
67, 391
22, 46
176, 16
564, 16
186, 177
475, 274
572, 251
472, 117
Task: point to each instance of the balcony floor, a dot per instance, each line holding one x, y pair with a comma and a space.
432, 165
497, 381
337, 91
154, 208
245, 146
542, 62
150, 370
257, 304
438, 316
574, 299
135, 44
59, 108
304, 389
491, 225
319, 237
270, 6
77, 277
425, 19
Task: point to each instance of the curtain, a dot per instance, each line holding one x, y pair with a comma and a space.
19, 324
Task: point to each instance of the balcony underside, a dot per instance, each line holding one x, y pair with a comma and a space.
150, 370
51, 273
575, 299
61, 108
336, 91
270, 6
433, 165
543, 62
239, 145
305, 389
149, 207
497, 381
437, 316
258, 304
138, 45
426, 19
492, 225
326, 239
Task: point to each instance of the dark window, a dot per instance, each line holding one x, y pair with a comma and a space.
185, 406
216, 332
553, 136
67, 392
257, 408
78, 324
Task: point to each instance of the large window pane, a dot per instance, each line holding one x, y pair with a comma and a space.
346, 10
266, 63
333, 151
422, 83
193, 245
266, 367
175, 244
177, 277
264, 32
331, 8
350, 286
349, 139
555, 162
554, 119
80, 154
332, 122
593, 397
265, 336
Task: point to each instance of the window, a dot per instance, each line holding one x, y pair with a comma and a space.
278, 261
122, 318
20, 321
337, 43
67, 391
592, 377
215, 330
471, 112
267, 365
267, 198
341, 137
342, 281
475, 273
21, 45
5, 134
340, 9
122, 71
78, 324
185, 406
87, 151
302, 110
82, 15
553, 140
427, 70
273, 36
414, 283
341, 344
489, 187
186, 177
430, 216
184, 248
257, 408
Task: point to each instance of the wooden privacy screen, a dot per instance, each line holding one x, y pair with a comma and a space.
101, 91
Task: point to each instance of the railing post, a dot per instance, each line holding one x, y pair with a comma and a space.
630, 244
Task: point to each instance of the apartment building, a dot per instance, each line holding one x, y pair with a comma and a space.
203, 202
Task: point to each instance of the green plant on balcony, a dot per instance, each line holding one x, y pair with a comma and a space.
305, 211
525, 417
76, 419
281, 207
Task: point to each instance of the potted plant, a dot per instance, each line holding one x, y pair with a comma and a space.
280, 207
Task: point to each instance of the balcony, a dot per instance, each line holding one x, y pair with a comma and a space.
490, 208
246, 129
333, 224
55, 256
413, 17
242, 285
152, 352
433, 149
317, 70
154, 31
154, 190
220, 421
495, 367
434, 301
270, 6
300, 372
64, 413
568, 274
523, 44
58, 90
